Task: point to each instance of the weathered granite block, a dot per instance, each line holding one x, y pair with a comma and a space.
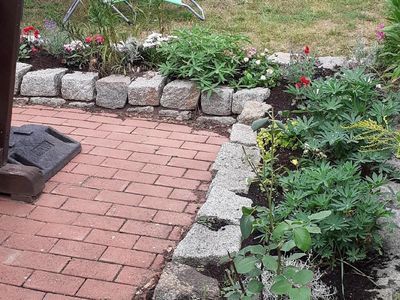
146, 90
244, 135
245, 95
219, 103
281, 58
203, 246
112, 91
235, 156
332, 62
180, 94
253, 111
221, 121
42, 83
20, 71
79, 86
54, 102
236, 181
223, 205
180, 281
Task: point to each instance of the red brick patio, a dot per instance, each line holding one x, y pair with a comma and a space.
102, 226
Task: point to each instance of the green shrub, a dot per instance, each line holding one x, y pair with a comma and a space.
352, 230
207, 58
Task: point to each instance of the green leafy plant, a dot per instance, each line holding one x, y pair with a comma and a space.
390, 36
208, 58
333, 103
54, 38
281, 241
352, 230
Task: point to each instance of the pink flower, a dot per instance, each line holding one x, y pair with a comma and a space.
88, 40
250, 52
99, 39
34, 50
380, 34
298, 85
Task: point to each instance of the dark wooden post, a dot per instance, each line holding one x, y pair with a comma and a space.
10, 16
21, 182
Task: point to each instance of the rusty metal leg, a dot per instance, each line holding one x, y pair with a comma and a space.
21, 182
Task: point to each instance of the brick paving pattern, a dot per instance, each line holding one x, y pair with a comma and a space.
102, 226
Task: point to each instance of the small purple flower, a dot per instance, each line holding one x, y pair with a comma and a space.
50, 25
380, 34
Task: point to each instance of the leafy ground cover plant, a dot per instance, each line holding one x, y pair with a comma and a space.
352, 230
333, 104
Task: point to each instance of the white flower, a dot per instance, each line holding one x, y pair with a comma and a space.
258, 62
246, 59
270, 72
262, 54
266, 50
263, 77
379, 86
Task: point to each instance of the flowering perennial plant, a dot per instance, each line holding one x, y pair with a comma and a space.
30, 42
301, 68
257, 70
82, 53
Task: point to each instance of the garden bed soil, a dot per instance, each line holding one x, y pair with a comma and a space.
43, 60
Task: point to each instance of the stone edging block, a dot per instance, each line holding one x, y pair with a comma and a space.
112, 91
43, 83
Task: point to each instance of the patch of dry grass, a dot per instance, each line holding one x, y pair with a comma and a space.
328, 26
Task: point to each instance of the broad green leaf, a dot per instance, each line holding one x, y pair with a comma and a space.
302, 238
289, 245
256, 249
303, 277
246, 225
303, 293
313, 229
289, 272
270, 263
255, 286
281, 286
320, 215
280, 230
258, 124
246, 264
296, 256
247, 298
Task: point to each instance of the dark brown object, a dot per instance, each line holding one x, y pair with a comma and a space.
21, 182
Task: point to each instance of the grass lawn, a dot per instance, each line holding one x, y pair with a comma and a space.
328, 26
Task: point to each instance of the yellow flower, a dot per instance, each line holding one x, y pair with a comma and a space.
295, 162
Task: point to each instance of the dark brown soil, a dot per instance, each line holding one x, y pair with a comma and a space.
43, 60
356, 286
280, 100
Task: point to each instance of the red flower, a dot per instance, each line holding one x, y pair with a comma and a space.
99, 39
34, 50
89, 39
28, 29
304, 80
36, 34
306, 50
298, 85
